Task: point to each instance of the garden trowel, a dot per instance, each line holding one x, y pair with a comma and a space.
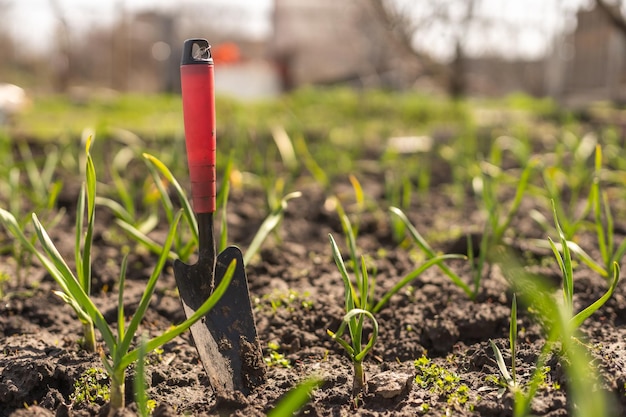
226, 338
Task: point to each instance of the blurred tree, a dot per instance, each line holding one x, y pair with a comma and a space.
120, 49
404, 25
7, 46
613, 10
62, 59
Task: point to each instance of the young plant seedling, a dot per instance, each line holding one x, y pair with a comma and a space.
497, 223
509, 380
603, 224
565, 265
72, 285
275, 358
145, 406
563, 338
358, 304
522, 395
354, 320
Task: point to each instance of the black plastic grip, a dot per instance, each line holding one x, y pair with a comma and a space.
196, 51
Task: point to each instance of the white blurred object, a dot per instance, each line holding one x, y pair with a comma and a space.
410, 144
13, 100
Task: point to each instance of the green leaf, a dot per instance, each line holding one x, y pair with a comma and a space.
54, 255
184, 201
521, 188
179, 329
565, 263
296, 398
163, 194
285, 147
513, 335
269, 224
118, 210
121, 319
150, 285
59, 270
86, 257
579, 318
143, 239
359, 196
586, 258
78, 233
141, 398
350, 293
501, 365
411, 276
356, 352
350, 234
224, 223
421, 243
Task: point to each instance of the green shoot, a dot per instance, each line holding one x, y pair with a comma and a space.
509, 379
144, 405
350, 235
572, 176
42, 192
497, 223
604, 226
580, 370
355, 349
357, 301
523, 394
561, 331
565, 265
71, 284
359, 198
398, 191
285, 148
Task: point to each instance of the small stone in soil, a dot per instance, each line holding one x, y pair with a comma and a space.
390, 384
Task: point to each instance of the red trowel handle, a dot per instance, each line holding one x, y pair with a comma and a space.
197, 84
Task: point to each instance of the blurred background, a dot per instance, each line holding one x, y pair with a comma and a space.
570, 50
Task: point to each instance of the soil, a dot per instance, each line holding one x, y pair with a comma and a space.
298, 294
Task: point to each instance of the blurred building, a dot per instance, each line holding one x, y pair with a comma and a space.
494, 76
589, 64
325, 42
330, 41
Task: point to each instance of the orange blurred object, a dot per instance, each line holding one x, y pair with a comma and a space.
226, 53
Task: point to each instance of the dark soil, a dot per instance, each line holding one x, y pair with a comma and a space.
298, 294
